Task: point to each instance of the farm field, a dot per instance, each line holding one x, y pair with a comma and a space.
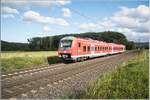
18, 60
128, 81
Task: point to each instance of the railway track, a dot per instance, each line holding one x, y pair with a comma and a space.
35, 70
30, 70
19, 84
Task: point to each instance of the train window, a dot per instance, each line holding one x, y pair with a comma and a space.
84, 48
100, 48
79, 44
88, 48
65, 44
95, 48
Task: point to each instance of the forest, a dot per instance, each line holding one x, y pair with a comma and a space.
51, 42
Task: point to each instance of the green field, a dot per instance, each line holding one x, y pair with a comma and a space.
129, 81
18, 60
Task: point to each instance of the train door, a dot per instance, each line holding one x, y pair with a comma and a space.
79, 48
92, 49
112, 48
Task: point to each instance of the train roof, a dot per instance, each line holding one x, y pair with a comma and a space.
68, 38
72, 38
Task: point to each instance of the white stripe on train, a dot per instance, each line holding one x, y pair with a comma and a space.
93, 55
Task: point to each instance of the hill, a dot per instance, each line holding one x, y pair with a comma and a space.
13, 46
142, 45
52, 42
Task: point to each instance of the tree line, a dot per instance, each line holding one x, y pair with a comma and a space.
52, 42
11, 46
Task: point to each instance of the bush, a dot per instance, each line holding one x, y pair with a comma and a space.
129, 81
53, 59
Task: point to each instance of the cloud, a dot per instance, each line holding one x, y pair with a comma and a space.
7, 12
32, 16
66, 12
102, 25
137, 36
132, 18
44, 3
143, 27
105, 24
8, 16
133, 22
88, 26
141, 11
63, 2
49, 3
15, 2
47, 29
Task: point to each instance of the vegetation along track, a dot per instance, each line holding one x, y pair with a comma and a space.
33, 81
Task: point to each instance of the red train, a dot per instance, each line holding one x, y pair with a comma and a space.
78, 49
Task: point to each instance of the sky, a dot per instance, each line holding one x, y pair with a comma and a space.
24, 19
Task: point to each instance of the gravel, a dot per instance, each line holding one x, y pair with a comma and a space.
56, 83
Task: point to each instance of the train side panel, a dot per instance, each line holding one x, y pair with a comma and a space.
87, 48
81, 48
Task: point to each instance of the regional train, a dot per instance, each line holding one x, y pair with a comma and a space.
79, 49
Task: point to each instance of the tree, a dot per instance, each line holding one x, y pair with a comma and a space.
52, 42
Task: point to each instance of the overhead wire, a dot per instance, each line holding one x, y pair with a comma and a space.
85, 16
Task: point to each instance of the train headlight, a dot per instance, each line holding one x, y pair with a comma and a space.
64, 56
59, 56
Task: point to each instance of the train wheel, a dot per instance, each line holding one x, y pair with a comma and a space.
74, 61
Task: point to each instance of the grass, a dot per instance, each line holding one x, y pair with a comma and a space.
18, 60
129, 81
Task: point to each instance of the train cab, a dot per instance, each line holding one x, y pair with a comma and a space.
65, 48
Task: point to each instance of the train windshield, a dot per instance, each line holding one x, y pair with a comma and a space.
65, 44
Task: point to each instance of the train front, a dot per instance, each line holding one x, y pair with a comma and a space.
65, 48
